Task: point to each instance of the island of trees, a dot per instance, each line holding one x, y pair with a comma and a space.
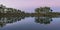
42, 11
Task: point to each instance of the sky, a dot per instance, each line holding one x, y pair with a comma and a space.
30, 5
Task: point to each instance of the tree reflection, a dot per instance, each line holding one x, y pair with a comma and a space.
43, 20
38, 19
6, 20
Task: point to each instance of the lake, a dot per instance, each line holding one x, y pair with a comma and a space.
29, 23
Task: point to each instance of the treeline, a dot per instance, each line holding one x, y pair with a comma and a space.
42, 11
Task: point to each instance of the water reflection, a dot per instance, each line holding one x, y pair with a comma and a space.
6, 20
43, 20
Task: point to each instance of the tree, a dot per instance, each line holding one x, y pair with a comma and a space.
19, 11
43, 10
37, 10
2, 8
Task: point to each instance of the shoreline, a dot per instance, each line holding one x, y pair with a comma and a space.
30, 14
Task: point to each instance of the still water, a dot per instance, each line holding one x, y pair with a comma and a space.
29, 23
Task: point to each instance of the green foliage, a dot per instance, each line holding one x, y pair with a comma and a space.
43, 9
4, 9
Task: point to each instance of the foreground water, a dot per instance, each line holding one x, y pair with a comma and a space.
29, 23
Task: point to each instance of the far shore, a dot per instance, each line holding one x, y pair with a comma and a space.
31, 14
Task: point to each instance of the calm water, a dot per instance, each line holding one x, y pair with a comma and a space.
29, 23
